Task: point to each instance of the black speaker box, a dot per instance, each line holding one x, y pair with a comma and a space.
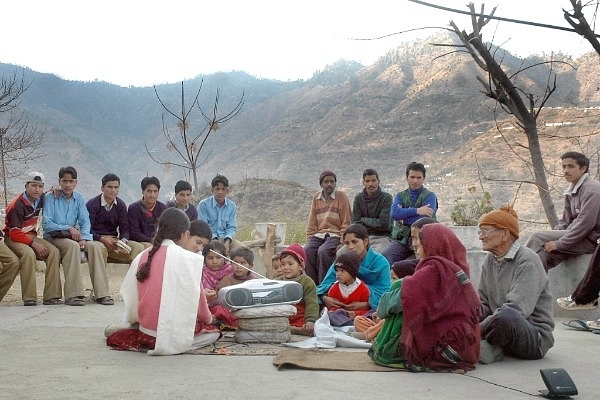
559, 384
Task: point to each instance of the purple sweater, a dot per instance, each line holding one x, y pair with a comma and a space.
106, 222
143, 222
191, 210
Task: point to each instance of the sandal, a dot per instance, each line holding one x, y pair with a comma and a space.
578, 325
29, 303
105, 301
594, 325
52, 302
74, 301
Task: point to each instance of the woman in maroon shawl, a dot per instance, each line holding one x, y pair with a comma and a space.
439, 308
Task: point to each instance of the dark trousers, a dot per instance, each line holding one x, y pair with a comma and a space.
320, 254
511, 331
397, 251
589, 286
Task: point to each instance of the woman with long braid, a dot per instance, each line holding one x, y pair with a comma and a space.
163, 295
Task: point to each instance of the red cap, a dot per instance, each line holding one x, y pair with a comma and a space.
294, 250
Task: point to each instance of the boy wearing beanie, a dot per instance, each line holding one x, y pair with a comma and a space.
514, 290
307, 310
349, 294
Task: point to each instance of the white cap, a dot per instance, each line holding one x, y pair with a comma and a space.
35, 177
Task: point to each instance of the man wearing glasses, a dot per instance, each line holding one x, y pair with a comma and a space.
514, 290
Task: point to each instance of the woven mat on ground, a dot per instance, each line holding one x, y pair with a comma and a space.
229, 347
330, 360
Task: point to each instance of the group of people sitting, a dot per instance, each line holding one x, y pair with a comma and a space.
103, 229
423, 313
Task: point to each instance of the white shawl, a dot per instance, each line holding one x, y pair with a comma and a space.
179, 299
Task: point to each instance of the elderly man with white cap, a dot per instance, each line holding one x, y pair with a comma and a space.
514, 291
22, 217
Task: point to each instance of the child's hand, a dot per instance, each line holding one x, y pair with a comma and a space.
210, 294
309, 327
351, 314
374, 317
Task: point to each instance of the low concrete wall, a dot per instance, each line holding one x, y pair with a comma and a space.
563, 281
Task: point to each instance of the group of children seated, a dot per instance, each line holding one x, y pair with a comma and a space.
287, 265
161, 280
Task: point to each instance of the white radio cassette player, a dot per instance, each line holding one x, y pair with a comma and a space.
260, 292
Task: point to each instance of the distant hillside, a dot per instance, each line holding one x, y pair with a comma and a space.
414, 103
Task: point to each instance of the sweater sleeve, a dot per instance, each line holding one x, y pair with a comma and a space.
204, 313
311, 227
356, 213
383, 221
584, 223
311, 303
345, 214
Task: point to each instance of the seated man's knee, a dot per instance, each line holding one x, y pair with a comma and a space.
506, 317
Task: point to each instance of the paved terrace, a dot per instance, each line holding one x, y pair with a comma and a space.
59, 352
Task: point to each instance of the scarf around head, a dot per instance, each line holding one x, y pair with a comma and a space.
439, 302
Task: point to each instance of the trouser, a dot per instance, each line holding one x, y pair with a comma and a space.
379, 243
121, 257
71, 260
8, 270
550, 260
589, 286
27, 259
511, 331
397, 251
320, 254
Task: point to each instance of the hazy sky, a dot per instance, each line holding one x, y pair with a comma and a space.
140, 43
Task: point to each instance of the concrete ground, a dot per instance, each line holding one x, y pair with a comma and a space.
59, 352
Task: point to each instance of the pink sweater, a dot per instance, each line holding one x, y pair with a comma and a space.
150, 291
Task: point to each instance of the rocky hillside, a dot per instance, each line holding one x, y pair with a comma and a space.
414, 103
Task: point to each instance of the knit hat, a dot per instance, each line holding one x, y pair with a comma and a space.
295, 250
348, 261
327, 173
504, 218
34, 177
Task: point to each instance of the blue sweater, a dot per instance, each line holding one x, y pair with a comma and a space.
374, 271
408, 214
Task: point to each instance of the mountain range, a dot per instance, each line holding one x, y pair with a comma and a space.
418, 102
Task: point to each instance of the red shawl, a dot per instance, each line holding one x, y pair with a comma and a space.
440, 327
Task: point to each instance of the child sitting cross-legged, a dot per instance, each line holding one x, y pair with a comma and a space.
243, 256
349, 294
292, 264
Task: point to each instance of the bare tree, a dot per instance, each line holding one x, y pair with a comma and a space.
525, 107
507, 96
189, 142
19, 137
577, 20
